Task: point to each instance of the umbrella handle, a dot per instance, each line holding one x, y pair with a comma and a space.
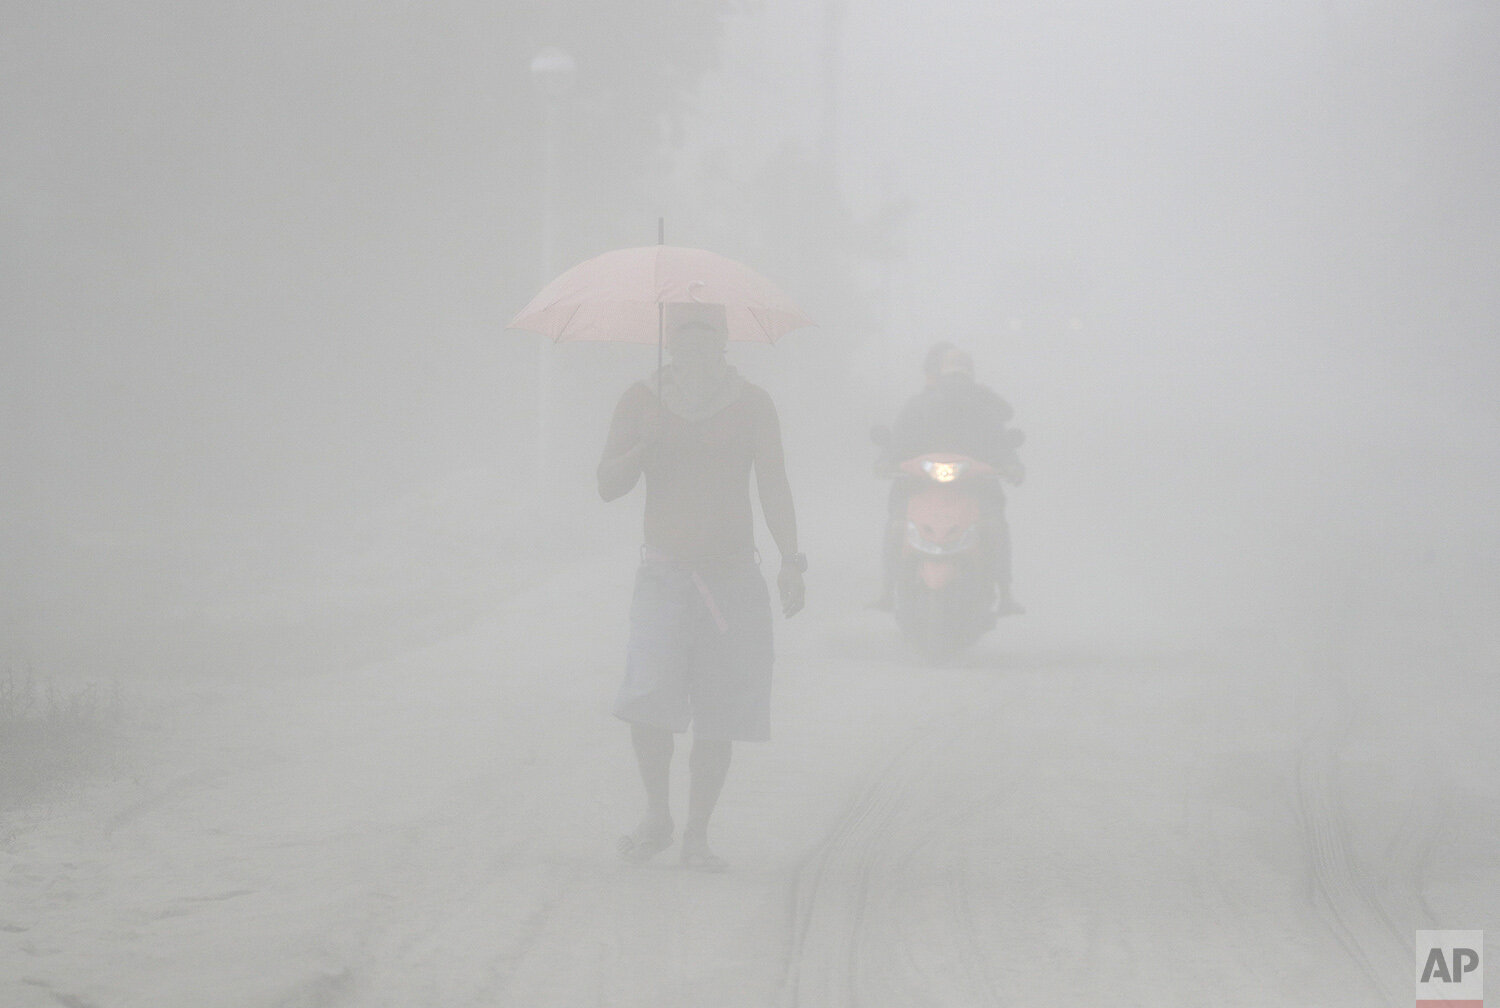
661, 314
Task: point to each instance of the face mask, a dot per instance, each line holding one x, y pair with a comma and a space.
696, 347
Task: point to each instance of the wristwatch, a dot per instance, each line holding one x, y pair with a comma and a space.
796, 561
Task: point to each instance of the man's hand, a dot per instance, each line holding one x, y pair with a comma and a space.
789, 583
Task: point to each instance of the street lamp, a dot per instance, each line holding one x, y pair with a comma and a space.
553, 71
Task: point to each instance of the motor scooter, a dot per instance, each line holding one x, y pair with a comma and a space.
943, 578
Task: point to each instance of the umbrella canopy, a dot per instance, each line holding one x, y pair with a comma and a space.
618, 296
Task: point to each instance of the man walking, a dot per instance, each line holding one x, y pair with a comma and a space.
700, 621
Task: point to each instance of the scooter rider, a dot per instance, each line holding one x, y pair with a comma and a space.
954, 413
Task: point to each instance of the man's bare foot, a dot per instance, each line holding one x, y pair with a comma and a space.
697, 856
649, 839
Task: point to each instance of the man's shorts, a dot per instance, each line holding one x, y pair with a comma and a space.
700, 650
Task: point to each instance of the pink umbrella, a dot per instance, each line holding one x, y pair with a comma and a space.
621, 295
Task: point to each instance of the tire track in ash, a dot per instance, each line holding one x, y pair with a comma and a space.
880, 910
1344, 892
1372, 913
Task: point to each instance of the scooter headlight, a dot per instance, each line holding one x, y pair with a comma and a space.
944, 472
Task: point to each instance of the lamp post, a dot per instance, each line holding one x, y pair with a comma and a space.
553, 72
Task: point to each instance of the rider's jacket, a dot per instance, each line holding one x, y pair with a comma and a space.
958, 415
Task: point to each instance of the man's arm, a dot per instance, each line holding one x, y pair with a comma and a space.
998, 403
776, 504
999, 438
630, 433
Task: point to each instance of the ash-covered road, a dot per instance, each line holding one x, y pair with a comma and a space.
1043, 822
